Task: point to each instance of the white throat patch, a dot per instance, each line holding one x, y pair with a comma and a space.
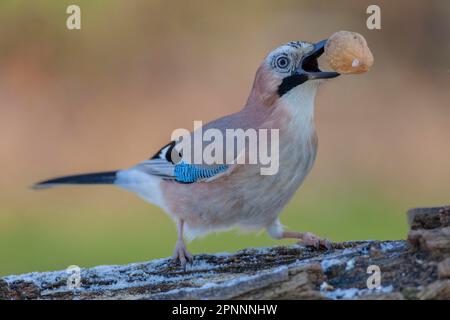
299, 101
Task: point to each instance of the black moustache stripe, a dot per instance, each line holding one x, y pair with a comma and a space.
291, 82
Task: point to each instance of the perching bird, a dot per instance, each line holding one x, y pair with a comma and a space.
206, 198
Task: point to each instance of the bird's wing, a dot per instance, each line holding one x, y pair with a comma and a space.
163, 165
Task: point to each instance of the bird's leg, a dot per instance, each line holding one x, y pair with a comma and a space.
276, 231
181, 253
307, 238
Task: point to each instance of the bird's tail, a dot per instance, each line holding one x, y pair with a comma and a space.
108, 177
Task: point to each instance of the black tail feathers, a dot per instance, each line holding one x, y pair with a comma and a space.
108, 177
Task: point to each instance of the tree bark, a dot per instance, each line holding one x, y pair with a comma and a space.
416, 268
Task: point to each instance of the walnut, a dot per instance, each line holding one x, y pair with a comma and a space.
347, 52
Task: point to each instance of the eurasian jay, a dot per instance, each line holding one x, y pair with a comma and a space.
214, 197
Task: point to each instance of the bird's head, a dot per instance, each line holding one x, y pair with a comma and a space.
288, 67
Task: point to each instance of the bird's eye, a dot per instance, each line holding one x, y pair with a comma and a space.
282, 62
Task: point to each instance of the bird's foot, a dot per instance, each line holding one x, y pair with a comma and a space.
310, 239
182, 255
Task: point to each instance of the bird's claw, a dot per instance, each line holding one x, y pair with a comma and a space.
312, 240
182, 255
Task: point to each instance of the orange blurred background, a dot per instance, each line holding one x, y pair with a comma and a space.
109, 95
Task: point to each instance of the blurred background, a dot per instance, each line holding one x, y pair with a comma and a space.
109, 95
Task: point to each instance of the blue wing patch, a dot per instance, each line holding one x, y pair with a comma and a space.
189, 173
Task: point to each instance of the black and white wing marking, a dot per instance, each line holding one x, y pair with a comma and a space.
163, 165
165, 152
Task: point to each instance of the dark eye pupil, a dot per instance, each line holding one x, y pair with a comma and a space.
282, 62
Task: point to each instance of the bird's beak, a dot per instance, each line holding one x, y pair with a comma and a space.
309, 67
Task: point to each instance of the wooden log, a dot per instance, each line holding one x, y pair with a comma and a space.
414, 269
